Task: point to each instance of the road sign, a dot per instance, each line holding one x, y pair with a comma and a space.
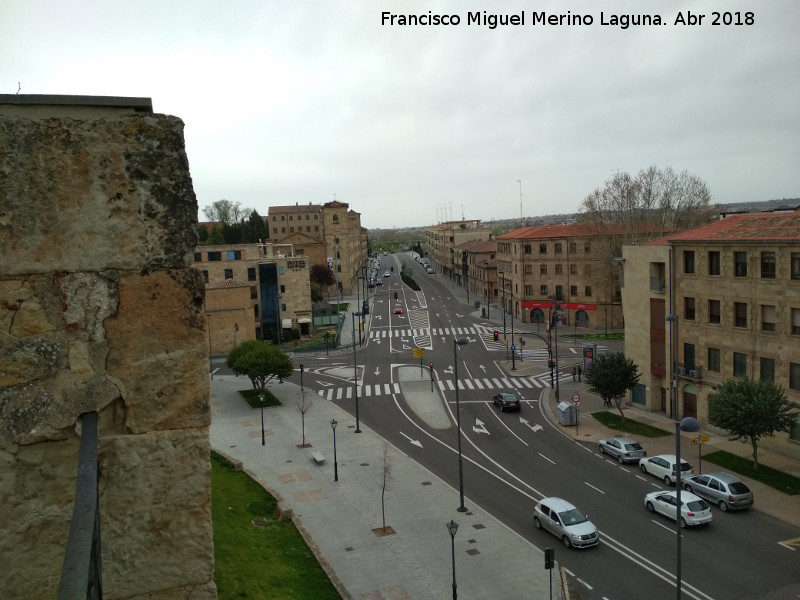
701, 439
576, 397
417, 352
513, 347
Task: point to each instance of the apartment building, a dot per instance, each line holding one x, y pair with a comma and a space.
327, 233
478, 269
717, 302
564, 266
276, 281
441, 241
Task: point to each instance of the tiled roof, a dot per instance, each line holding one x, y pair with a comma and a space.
479, 246
295, 208
226, 284
772, 226
549, 231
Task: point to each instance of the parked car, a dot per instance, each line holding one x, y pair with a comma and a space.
379, 282
723, 489
507, 401
387, 274
663, 467
429, 270
398, 311
565, 521
694, 510
624, 449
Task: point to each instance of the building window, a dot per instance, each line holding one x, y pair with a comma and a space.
335, 218
253, 292
587, 247
543, 290
316, 228
283, 217
587, 290
559, 292
688, 309
251, 273
558, 248
767, 265
688, 261
214, 256
280, 270
740, 264
274, 230
739, 364
291, 218
713, 360
796, 321
274, 218
573, 247
526, 248
768, 318
228, 273
291, 229
529, 269
794, 376
559, 269
542, 269
198, 257
205, 275
740, 314
573, 269
283, 229
529, 290
283, 289
542, 248
234, 255
767, 369
713, 262
795, 265
573, 290
713, 311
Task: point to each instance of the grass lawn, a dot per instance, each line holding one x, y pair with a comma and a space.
269, 562
632, 426
788, 484
596, 336
251, 396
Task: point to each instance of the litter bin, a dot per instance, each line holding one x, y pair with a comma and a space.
483, 313
567, 414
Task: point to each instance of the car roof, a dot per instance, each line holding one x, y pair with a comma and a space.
623, 439
557, 504
726, 477
668, 457
685, 496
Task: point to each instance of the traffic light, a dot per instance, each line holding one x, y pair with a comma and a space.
495, 336
549, 558
431, 366
550, 363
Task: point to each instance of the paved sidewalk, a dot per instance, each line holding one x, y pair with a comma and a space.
339, 518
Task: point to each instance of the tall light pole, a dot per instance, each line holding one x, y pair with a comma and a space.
355, 370
452, 527
456, 344
552, 324
503, 280
335, 464
278, 306
519, 181
261, 398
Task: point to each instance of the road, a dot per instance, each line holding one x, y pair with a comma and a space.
511, 460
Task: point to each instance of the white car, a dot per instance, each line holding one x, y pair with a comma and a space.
663, 467
694, 510
387, 274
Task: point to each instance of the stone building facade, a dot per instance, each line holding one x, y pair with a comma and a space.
732, 291
478, 270
278, 286
441, 241
538, 267
100, 312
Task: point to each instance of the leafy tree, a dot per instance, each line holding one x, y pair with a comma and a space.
321, 275
611, 376
202, 233
254, 230
260, 361
215, 238
232, 233
750, 409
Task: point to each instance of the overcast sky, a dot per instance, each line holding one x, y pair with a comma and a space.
294, 101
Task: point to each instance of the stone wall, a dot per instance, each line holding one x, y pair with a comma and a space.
100, 312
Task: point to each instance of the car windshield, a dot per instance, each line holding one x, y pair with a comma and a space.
739, 487
697, 505
684, 467
634, 446
572, 517
509, 397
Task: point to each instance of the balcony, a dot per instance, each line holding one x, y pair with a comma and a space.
695, 374
657, 284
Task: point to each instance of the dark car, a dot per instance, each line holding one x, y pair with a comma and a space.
723, 489
507, 401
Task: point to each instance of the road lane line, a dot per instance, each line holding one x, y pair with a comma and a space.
594, 488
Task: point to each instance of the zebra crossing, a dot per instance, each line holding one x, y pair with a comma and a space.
425, 331
445, 385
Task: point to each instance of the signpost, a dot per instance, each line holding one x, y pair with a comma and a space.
699, 441
576, 399
420, 354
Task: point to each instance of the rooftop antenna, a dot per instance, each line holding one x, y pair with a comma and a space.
462, 211
19, 87
519, 181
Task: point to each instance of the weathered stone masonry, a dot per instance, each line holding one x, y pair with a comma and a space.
99, 311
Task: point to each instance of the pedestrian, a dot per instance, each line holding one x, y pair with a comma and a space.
579, 372
573, 373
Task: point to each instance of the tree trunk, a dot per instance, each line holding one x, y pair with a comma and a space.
618, 402
754, 442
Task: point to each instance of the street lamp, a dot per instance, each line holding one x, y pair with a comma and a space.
685, 424
452, 527
335, 464
552, 325
461, 508
673, 352
503, 283
278, 305
355, 369
261, 397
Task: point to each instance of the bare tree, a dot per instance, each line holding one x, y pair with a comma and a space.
303, 406
387, 478
226, 212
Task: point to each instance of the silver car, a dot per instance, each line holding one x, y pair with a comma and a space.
624, 449
723, 489
565, 521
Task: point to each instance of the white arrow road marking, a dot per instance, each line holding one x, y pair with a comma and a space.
482, 368
377, 370
415, 442
479, 427
326, 383
535, 427
443, 340
448, 370
405, 341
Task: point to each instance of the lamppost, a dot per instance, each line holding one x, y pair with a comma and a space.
261, 398
552, 323
503, 283
456, 344
335, 464
278, 306
513, 348
673, 352
452, 527
355, 370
